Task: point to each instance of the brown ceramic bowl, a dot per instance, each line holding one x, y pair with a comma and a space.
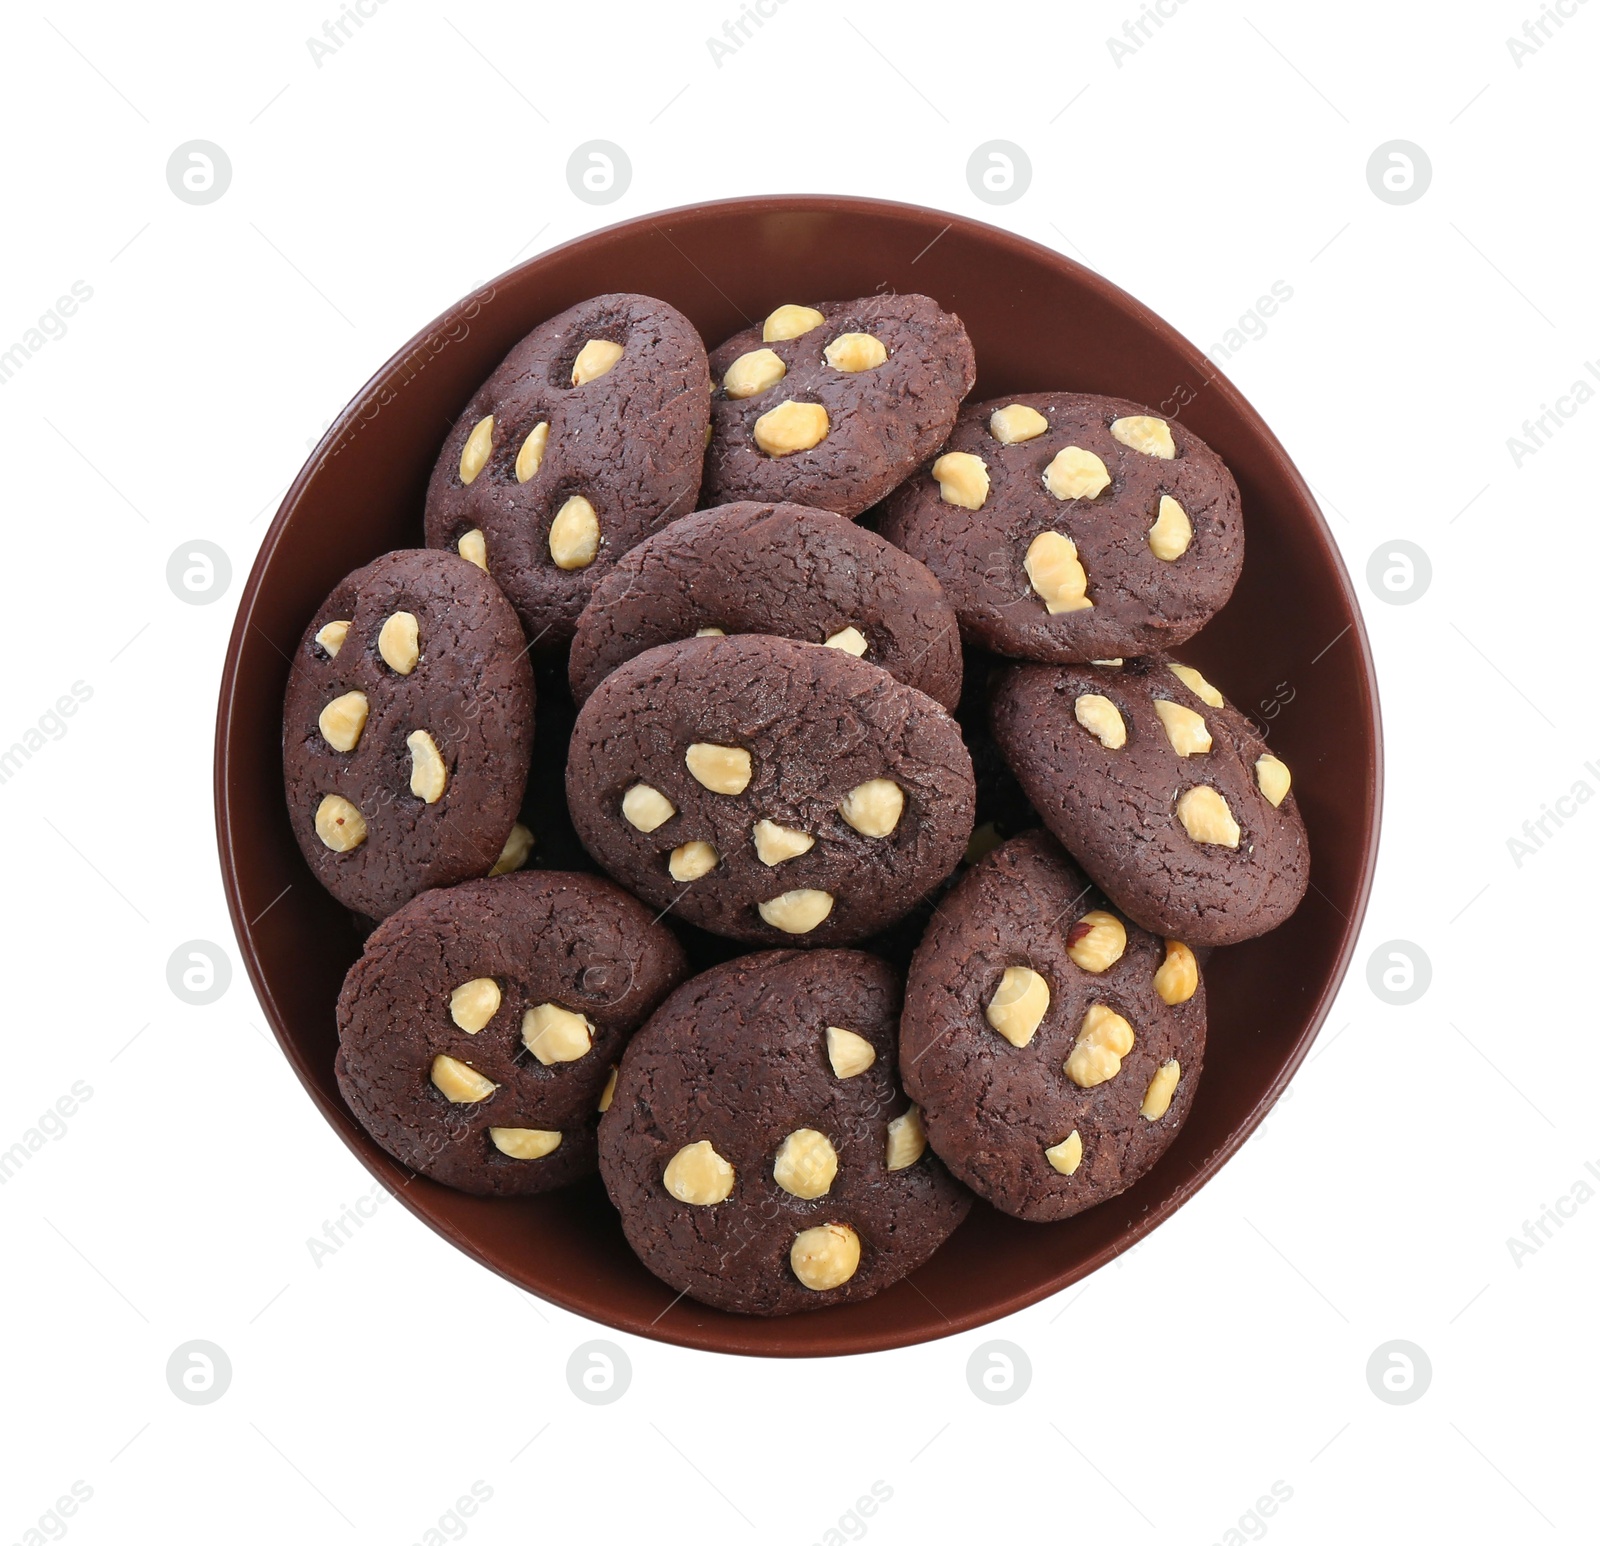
1290, 646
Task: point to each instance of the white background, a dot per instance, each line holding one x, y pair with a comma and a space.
1171, 1390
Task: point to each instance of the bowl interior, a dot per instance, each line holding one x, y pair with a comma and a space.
1289, 647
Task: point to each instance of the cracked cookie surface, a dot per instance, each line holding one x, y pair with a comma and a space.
773, 569
1011, 1120
758, 1146
1168, 797
407, 730
1070, 527
832, 404
587, 438
480, 1028
768, 790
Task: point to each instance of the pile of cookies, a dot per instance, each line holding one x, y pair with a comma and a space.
819, 658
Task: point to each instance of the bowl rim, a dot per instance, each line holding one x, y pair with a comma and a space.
715, 1339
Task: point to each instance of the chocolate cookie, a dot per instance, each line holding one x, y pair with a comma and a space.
832, 405
769, 790
758, 1148
481, 1028
1053, 1047
407, 729
783, 569
1066, 527
1168, 797
587, 438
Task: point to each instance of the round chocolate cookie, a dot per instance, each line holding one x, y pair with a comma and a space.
783, 569
1054, 1048
768, 790
758, 1148
407, 729
480, 1031
1166, 796
1066, 527
832, 405
588, 437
